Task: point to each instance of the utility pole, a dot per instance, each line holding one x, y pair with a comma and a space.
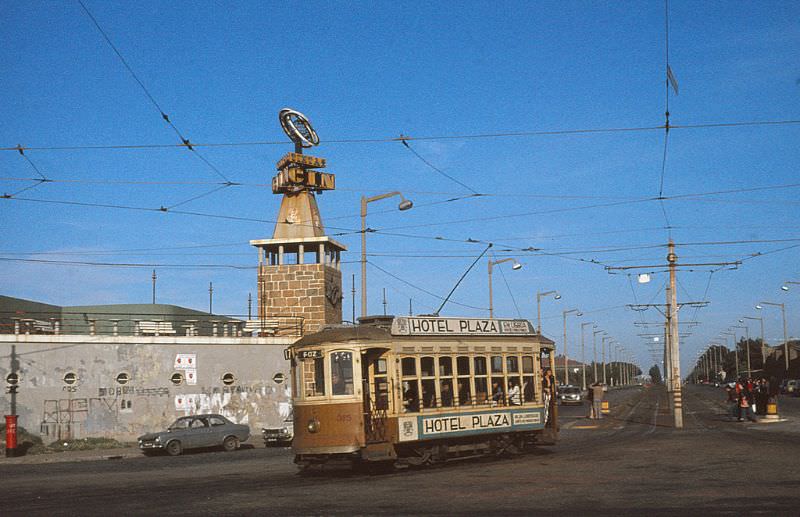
210, 297
384, 301
674, 341
154, 286
353, 321
672, 345
249, 306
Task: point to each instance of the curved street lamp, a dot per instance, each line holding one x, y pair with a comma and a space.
583, 355
566, 361
516, 266
539, 297
404, 204
785, 338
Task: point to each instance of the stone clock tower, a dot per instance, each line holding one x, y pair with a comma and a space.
299, 275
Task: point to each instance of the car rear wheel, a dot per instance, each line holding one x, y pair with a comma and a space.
174, 448
231, 443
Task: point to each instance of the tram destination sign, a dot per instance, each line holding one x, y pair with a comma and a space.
446, 425
432, 326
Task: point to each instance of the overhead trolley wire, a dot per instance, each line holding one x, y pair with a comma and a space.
185, 141
408, 138
424, 290
437, 169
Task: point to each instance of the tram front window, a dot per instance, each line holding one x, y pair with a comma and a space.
342, 373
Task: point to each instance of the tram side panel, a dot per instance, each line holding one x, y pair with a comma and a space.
328, 428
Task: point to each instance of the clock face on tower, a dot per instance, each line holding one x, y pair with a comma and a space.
333, 294
298, 128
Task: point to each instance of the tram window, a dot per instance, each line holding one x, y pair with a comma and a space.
464, 391
445, 366
380, 367
409, 366
498, 391
446, 390
426, 367
528, 385
512, 364
342, 373
497, 364
381, 393
314, 377
428, 393
480, 365
481, 390
410, 396
527, 364
462, 365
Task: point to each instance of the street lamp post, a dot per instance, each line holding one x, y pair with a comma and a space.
760, 319
539, 297
604, 357
594, 353
785, 286
493, 263
583, 355
785, 337
404, 204
747, 341
566, 361
736, 349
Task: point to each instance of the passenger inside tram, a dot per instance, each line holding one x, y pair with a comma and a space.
498, 395
447, 393
410, 397
513, 392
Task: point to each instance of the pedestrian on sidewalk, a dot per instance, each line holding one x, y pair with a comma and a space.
745, 408
597, 400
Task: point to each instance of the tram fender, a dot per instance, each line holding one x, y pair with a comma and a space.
382, 451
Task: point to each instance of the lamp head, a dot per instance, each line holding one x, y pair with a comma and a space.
405, 204
516, 266
759, 307
557, 296
784, 288
579, 314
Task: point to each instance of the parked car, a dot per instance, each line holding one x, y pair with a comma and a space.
570, 395
196, 431
279, 436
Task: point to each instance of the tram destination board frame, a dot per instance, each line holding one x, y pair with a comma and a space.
433, 326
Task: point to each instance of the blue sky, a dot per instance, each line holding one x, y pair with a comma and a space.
376, 70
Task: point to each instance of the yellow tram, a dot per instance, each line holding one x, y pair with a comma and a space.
420, 390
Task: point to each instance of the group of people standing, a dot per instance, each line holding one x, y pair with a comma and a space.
748, 397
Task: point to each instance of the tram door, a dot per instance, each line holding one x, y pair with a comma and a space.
375, 379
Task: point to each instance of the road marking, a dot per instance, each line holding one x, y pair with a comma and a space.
655, 420
584, 427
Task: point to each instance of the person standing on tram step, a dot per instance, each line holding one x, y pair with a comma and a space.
597, 400
548, 387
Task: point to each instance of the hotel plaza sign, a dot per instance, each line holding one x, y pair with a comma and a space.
433, 326
422, 427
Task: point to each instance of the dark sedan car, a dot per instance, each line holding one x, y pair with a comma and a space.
190, 432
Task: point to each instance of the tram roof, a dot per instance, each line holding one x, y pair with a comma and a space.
381, 329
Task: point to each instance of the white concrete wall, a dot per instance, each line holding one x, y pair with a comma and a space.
98, 406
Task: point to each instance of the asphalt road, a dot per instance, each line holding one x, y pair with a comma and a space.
631, 463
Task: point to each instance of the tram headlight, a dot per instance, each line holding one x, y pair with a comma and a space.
313, 425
